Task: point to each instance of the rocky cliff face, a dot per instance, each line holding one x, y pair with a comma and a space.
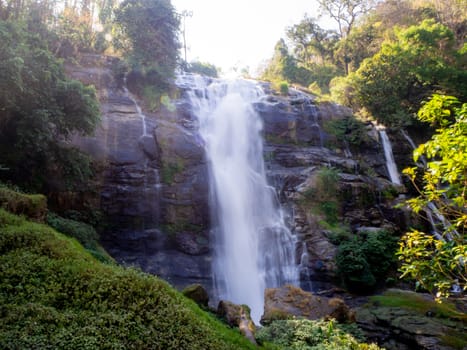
154, 185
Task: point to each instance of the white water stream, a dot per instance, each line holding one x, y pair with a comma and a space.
390, 163
253, 247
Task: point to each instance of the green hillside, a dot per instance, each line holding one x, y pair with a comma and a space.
55, 295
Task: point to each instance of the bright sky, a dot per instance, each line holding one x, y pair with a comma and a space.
239, 33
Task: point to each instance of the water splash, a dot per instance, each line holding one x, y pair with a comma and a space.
253, 247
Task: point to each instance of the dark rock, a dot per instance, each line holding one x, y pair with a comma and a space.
197, 293
150, 147
193, 243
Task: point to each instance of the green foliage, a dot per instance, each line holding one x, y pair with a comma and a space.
417, 302
284, 88
203, 68
153, 50
438, 264
53, 294
84, 233
392, 83
41, 108
170, 170
311, 43
348, 130
364, 261
33, 206
310, 335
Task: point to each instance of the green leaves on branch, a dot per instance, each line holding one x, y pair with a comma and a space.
438, 263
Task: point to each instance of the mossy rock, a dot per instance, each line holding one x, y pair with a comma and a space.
414, 320
197, 293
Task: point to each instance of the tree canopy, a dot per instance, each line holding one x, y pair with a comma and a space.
41, 108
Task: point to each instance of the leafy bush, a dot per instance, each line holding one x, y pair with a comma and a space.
323, 196
284, 88
309, 335
33, 206
54, 295
84, 233
203, 68
365, 260
348, 129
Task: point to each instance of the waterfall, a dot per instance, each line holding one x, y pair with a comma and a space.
390, 163
137, 106
254, 249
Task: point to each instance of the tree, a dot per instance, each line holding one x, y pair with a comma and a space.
148, 32
311, 42
283, 66
345, 13
203, 68
438, 260
393, 82
40, 108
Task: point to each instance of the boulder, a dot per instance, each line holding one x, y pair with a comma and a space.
237, 316
197, 293
290, 301
416, 324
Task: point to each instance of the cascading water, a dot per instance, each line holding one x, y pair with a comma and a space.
390, 163
254, 249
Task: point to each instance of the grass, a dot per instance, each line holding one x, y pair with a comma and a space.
54, 294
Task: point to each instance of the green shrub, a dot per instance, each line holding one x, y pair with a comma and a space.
84, 234
364, 261
309, 335
323, 197
33, 206
54, 295
348, 129
284, 88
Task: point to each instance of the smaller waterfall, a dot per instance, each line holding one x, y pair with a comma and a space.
434, 216
390, 163
152, 182
138, 108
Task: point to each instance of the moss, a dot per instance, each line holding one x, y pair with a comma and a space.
33, 206
171, 169
54, 294
455, 339
417, 302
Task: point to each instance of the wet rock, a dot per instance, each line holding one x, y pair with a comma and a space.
150, 147
192, 243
